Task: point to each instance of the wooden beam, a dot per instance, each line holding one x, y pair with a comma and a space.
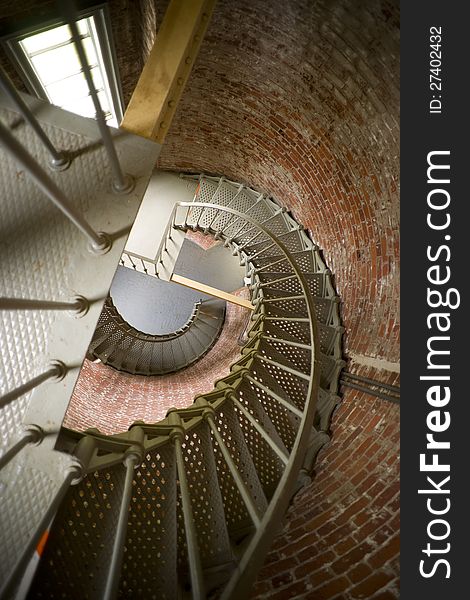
160, 86
207, 289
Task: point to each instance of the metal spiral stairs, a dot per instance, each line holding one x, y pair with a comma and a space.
119, 345
183, 508
204, 489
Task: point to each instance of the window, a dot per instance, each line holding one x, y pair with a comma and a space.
48, 63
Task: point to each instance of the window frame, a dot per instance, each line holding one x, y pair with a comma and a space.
100, 13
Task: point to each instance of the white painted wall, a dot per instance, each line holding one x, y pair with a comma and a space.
163, 191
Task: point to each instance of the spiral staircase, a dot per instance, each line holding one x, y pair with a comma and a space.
186, 507
118, 344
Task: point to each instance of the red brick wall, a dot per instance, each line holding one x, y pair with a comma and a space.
300, 99
341, 535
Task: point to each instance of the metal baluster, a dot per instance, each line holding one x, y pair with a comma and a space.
99, 241
195, 568
132, 458
274, 281
287, 319
256, 254
284, 368
57, 371
269, 266
241, 485
80, 306
32, 435
248, 242
122, 184
287, 342
59, 162
264, 434
281, 298
233, 236
273, 395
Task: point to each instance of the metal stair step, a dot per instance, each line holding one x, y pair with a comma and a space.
105, 349
149, 564
326, 309
307, 259
290, 356
240, 202
204, 193
283, 383
317, 283
237, 516
329, 335
283, 420
78, 552
133, 356
213, 541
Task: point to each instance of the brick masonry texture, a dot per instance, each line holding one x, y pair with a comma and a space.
341, 534
300, 99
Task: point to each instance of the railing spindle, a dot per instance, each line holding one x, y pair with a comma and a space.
80, 306
112, 580
59, 162
20, 565
99, 241
264, 434
241, 485
195, 567
32, 435
122, 184
57, 371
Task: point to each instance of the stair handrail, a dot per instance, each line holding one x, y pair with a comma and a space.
240, 583
128, 329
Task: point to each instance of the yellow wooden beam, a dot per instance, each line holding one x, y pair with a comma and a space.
159, 89
207, 289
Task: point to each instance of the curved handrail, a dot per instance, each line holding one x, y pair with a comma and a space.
124, 326
189, 418
138, 343
255, 553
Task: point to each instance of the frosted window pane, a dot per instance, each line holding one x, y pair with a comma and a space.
84, 106
61, 62
72, 88
46, 39
55, 62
